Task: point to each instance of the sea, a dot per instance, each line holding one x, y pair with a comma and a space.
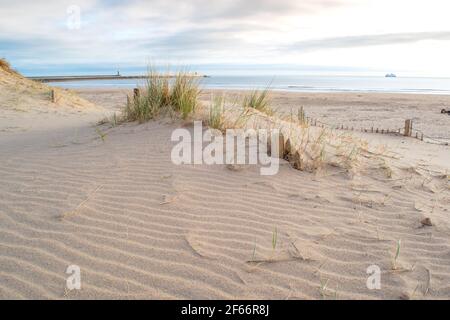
294, 83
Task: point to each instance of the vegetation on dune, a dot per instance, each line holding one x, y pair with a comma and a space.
5, 66
180, 94
306, 148
185, 93
259, 100
163, 94
216, 113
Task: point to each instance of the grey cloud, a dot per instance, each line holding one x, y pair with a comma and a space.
150, 25
198, 29
234, 9
367, 40
238, 9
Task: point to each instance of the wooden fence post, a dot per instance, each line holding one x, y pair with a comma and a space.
53, 96
301, 115
281, 144
408, 128
297, 161
137, 93
287, 150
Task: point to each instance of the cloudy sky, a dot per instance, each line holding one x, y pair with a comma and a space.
408, 36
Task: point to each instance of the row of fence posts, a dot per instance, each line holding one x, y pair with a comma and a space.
408, 130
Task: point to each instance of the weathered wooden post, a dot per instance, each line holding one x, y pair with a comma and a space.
53, 96
281, 144
408, 128
269, 144
297, 161
137, 93
301, 115
287, 150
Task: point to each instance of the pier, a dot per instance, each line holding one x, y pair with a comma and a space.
97, 77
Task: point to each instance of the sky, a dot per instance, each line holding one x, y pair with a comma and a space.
410, 37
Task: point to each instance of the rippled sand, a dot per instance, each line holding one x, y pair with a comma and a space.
110, 201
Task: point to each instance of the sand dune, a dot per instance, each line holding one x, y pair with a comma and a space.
383, 111
110, 201
26, 104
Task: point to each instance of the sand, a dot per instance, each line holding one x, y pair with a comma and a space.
27, 105
109, 200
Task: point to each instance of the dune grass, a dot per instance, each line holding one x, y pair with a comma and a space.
309, 149
259, 100
216, 113
157, 90
7, 67
162, 94
185, 93
397, 254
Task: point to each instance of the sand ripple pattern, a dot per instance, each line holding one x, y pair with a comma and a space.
141, 228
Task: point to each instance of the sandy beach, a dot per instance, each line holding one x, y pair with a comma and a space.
109, 200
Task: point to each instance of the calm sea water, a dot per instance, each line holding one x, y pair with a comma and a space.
297, 84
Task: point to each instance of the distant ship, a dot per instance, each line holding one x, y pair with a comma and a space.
391, 75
